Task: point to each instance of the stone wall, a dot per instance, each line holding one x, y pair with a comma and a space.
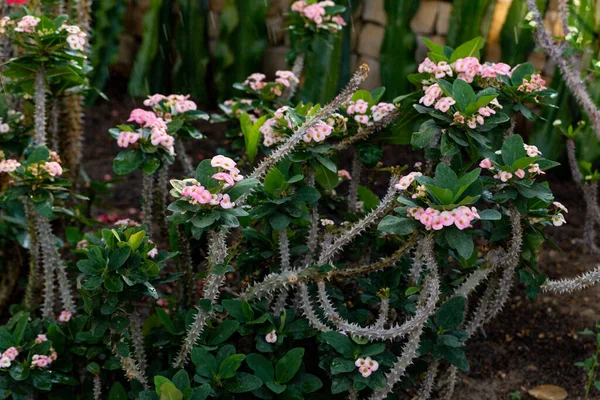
367, 31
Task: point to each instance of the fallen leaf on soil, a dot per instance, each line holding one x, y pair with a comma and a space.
548, 392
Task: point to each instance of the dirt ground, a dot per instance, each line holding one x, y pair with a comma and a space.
529, 344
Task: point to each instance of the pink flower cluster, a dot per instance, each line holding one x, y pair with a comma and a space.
316, 13
127, 138
467, 69
77, 39
27, 24
380, 110
318, 133
366, 366
270, 135
9, 165
256, 81
195, 193
286, 78
360, 110
8, 357
407, 180
177, 103
431, 218
53, 168
534, 84
41, 361
505, 176
478, 118
154, 252
158, 127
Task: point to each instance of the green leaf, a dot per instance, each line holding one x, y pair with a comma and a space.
206, 363
275, 182
326, 178
38, 154
369, 199
341, 343
288, 365
113, 283
118, 258
308, 383
241, 188
463, 94
204, 173
445, 177
117, 392
444, 196
398, 225
468, 49
135, 240
456, 357
425, 134
168, 391
127, 161
513, 149
434, 47
261, 366
341, 365
223, 332
490, 215
279, 221
275, 387
327, 163
242, 382
460, 241
521, 72
450, 314
230, 365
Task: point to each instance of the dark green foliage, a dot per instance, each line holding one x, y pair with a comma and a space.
398, 49
189, 71
467, 20
108, 25
242, 41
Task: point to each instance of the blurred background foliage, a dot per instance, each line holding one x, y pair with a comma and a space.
177, 55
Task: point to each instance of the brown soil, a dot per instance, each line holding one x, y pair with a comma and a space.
529, 344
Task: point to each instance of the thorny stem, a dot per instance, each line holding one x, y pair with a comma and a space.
354, 182
137, 337
364, 132
544, 40
185, 266
287, 146
130, 366
74, 133
568, 285
39, 138
97, 388
53, 126
284, 249
217, 251
379, 265
147, 201
34, 256
354, 230
186, 161
427, 387
297, 69
409, 351
162, 193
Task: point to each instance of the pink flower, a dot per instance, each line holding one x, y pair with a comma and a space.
27, 24
53, 168
437, 223
339, 20
427, 66
444, 104
224, 176
152, 253
486, 111
223, 162
505, 176
344, 175
11, 353
298, 6
226, 202
486, 163
372, 364
361, 106
532, 151
9, 165
122, 140
462, 222
535, 168
315, 12
65, 316
520, 173
446, 218
365, 371
4, 362
154, 99
40, 338
362, 119
560, 206
442, 69
271, 337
